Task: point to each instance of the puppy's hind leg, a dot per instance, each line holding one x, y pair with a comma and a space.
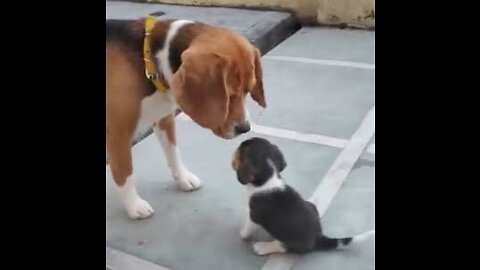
264, 248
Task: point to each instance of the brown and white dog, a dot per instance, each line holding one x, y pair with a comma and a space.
209, 71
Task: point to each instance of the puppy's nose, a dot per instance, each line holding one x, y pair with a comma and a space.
242, 128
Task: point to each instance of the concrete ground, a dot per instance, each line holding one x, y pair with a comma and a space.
320, 87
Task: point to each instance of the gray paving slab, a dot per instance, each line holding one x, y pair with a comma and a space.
200, 230
321, 99
325, 100
330, 44
117, 260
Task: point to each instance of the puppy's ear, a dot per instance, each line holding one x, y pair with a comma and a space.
277, 158
246, 173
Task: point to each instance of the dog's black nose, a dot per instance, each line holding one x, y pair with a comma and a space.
242, 128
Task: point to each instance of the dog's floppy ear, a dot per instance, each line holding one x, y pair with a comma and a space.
257, 92
277, 158
201, 87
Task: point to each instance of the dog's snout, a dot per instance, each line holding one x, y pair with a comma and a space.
242, 128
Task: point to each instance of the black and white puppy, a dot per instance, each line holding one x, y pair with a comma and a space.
293, 222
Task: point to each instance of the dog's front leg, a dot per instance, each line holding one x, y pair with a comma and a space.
120, 160
248, 226
165, 132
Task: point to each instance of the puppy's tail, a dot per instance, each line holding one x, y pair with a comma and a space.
326, 243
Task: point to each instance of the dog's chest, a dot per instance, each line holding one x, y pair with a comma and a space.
154, 108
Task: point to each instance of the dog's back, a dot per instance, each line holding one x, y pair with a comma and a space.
287, 217
124, 32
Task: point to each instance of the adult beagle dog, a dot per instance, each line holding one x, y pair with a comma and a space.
158, 67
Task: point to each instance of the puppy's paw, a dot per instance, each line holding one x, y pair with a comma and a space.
261, 248
264, 248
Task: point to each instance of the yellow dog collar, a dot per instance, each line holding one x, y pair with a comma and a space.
150, 69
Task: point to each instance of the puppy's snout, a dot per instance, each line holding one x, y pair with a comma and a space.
242, 128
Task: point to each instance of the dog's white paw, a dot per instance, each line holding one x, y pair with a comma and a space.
136, 207
139, 209
188, 181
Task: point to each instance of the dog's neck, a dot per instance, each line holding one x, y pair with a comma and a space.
274, 183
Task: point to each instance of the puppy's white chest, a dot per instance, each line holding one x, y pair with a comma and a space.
154, 108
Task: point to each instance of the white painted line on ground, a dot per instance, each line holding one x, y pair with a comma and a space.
320, 62
332, 181
371, 149
334, 178
118, 260
297, 136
